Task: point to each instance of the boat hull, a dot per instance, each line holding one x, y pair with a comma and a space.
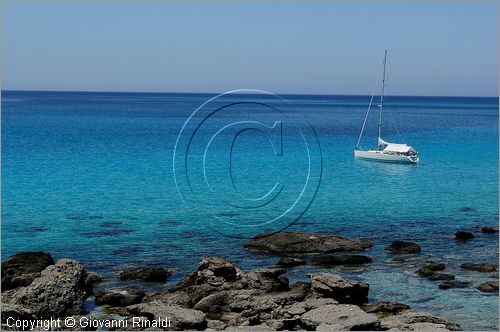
376, 155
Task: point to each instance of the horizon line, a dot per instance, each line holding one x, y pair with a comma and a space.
217, 93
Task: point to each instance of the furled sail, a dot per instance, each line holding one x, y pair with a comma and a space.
381, 142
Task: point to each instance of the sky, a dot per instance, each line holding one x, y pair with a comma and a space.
444, 48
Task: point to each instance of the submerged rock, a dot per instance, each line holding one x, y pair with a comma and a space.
84, 218
22, 268
148, 274
441, 276
461, 235
431, 272
59, 291
424, 272
488, 229
290, 262
334, 260
385, 307
454, 284
429, 269
295, 243
489, 286
435, 266
107, 232
480, 267
403, 247
340, 289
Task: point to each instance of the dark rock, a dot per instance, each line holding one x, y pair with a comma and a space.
214, 324
463, 235
429, 269
290, 262
489, 286
14, 311
435, 266
268, 279
424, 272
121, 311
302, 306
127, 324
487, 229
410, 320
22, 268
385, 307
334, 260
340, 289
403, 247
480, 267
60, 291
262, 299
119, 298
214, 274
467, 209
454, 284
291, 324
148, 274
293, 243
182, 318
93, 278
212, 302
220, 267
441, 276
339, 317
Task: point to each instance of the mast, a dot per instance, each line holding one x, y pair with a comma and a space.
381, 106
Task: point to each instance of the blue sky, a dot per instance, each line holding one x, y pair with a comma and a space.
320, 48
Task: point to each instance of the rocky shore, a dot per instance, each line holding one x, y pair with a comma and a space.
220, 295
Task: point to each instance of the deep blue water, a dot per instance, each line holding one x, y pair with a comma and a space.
90, 176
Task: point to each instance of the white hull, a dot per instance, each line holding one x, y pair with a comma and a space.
380, 156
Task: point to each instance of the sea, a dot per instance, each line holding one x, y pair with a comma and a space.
166, 179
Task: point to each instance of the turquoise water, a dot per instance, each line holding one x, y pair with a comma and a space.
89, 176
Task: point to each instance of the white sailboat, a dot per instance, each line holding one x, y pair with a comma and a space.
385, 151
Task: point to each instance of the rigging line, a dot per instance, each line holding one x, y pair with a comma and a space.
367, 112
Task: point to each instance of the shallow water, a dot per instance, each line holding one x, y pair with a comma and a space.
89, 176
